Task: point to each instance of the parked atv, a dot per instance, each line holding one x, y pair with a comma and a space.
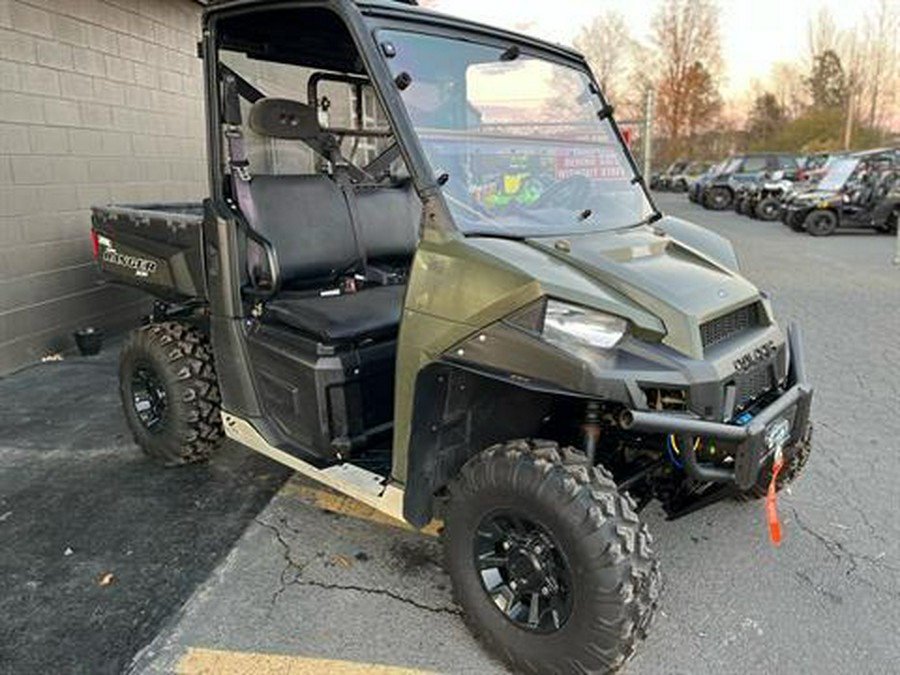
764, 201
744, 194
858, 191
667, 180
682, 181
719, 191
698, 185
351, 302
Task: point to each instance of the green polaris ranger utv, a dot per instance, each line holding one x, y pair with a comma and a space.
430, 276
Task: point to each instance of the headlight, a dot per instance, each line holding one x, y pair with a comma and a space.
565, 325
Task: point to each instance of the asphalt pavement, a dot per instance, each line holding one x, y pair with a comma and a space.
317, 584
99, 547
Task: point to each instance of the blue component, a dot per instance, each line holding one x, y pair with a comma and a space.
672, 457
743, 419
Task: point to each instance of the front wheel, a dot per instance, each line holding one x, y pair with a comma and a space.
890, 225
821, 223
553, 568
768, 209
719, 199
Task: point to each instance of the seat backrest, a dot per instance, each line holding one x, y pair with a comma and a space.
307, 218
307, 221
388, 221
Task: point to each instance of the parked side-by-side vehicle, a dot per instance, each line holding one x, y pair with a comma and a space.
719, 190
451, 301
861, 190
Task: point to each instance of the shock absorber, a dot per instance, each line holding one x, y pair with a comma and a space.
591, 430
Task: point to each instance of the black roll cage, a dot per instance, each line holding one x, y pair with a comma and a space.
363, 20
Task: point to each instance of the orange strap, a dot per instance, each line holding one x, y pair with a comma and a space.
771, 508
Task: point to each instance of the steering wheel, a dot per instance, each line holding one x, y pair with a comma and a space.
573, 190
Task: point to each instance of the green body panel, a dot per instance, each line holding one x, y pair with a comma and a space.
460, 286
677, 284
454, 290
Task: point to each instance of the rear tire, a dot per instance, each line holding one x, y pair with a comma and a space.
890, 225
527, 505
170, 394
768, 209
821, 223
719, 199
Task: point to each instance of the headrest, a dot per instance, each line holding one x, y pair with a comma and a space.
284, 118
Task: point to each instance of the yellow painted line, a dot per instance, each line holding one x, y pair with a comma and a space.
328, 500
223, 662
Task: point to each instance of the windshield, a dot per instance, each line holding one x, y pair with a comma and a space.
732, 165
838, 173
517, 139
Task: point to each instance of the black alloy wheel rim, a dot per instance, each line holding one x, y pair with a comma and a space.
820, 223
524, 572
769, 209
148, 396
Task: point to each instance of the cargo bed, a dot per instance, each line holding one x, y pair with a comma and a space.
154, 247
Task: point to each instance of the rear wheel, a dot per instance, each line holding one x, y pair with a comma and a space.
768, 209
551, 565
821, 223
719, 199
170, 394
890, 225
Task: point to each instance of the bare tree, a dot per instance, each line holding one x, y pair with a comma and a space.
686, 35
822, 35
869, 55
609, 48
879, 55
788, 87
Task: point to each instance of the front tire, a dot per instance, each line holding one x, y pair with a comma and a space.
890, 225
821, 223
170, 394
768, 209
553, 568
719, 199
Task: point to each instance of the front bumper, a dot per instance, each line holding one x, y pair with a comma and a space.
749, 440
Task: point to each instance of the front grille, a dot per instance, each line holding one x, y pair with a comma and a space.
750, 386
728, 326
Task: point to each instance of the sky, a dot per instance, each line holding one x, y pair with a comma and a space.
754, 33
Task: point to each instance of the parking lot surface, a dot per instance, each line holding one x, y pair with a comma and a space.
317, 585
98, 547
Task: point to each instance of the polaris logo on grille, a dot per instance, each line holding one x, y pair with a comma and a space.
749, 361
142, 267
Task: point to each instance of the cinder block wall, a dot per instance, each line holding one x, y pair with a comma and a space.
100, 101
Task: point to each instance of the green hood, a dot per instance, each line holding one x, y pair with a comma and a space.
670, 280
661, 285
